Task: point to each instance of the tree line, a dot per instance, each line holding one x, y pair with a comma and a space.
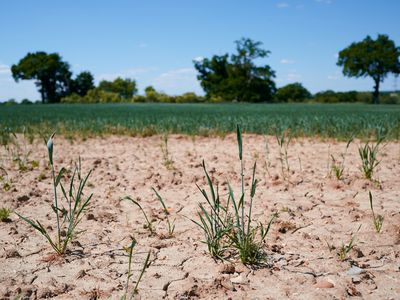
232, 77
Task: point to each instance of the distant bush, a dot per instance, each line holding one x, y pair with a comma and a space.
124, 88
189, 98
294, 92
26, 102
330, 96
94, 96
390, 98
151, 95
364, 97
10, 102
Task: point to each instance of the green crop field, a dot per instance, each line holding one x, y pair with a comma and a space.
330, 120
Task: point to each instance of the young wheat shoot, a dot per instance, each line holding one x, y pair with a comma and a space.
68, 218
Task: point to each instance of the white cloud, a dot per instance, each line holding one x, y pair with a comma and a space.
4, 69
286, 61
324, 1
291, 76
198, 59
282, 5
178, 81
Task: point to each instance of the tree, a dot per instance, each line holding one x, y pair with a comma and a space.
371, 58
294, 92
237, 77
52, 75
83, 82
125, 88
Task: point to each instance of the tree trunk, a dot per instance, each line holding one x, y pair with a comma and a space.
375, 95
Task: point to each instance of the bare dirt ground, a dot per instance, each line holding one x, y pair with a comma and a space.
317, 214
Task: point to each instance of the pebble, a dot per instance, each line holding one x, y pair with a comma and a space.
227, 269
23, 198
356, 279
226, 283
238, 280
354, 270
12, 253
324, 285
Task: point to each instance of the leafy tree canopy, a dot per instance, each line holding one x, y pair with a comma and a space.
83, 82
294, 92
371, 58
52, 75
237, 77
125, 88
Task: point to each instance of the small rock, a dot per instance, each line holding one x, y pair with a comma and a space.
12, 253
354, 270
13, 230
227, 269
226, 283
159, 245
358, 252
324, 284
356, 279
352, 291
241, 268
91, 217
23, 198
97, 161
239, 280
81, 274
45, 293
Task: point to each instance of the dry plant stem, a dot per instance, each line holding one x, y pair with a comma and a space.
267, 162
283, 141
50, 150
378, 220
338, 169
135, 202
170, 225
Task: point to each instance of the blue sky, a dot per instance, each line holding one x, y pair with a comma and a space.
155, 42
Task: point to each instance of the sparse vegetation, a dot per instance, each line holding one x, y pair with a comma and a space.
337, 166
223, 230
4, 214
146, 264
346, 248
168, 161
68, 217
369, 158
148, 225
215, 222
284, 138
170, 224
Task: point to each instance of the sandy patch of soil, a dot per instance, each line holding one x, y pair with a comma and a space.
317, 213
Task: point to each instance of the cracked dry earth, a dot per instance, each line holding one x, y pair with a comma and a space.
317, 213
